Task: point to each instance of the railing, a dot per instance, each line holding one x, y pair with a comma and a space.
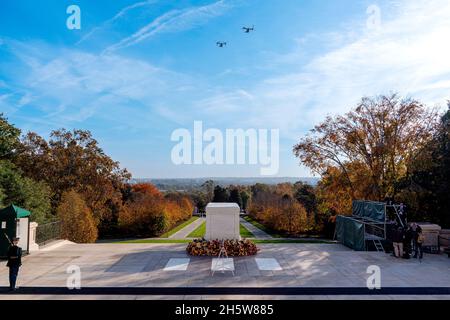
48, 232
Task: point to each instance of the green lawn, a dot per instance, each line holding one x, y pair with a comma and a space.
154, 241
274, 241
245, 233
262, 227
201, 230
292, 241
178, 228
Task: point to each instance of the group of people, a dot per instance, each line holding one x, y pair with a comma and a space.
407, 241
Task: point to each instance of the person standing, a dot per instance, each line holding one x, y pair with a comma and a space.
14, 262
420, 238
415, 229
407, 240
402, 214
397, 240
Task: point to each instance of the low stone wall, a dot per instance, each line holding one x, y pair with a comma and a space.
444, 238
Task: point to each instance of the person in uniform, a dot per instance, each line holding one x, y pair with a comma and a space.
14, 262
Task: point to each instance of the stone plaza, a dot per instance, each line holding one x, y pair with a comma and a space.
278, 271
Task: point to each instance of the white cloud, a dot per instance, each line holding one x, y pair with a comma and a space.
121, 14
225, 102
174, 21
74, 86
409, 54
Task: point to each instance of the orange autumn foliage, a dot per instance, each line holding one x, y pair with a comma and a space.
149, 213
276, 208
77, 221
146, 188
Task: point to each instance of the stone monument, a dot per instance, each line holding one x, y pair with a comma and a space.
222, 221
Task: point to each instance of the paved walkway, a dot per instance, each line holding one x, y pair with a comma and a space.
257, 232
291, 266
183, 233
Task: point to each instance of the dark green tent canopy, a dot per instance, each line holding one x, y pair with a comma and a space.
15, 212
350, 233
369, 209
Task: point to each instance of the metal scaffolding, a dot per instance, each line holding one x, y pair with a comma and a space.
372, 218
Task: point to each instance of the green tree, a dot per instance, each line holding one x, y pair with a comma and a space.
426, 187
9, 138
208, 186
200, 199
258, 188
36, 199
305, 194
235, 196
221, 194
245, 196
24, 192
2, 198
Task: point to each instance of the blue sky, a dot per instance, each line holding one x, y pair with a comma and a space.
138, 70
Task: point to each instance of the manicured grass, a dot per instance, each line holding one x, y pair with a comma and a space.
245, 233
201, 230
154, 241
292, 241
262, 227
281, 241
178, 228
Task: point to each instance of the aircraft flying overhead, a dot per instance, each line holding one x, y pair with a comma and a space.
248, 29
221, 44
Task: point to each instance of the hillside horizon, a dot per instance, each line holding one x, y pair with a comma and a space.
192, 183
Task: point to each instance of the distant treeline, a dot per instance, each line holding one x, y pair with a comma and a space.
384, 149
69, 178
191, 184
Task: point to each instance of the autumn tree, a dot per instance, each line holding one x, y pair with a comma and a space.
143, 216
73, 160
146, 189
284, 189
292, 218
333, 193
148, 212
276, 207
77, 222
379, 138
180, 205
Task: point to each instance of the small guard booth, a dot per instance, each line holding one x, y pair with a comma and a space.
14, 222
